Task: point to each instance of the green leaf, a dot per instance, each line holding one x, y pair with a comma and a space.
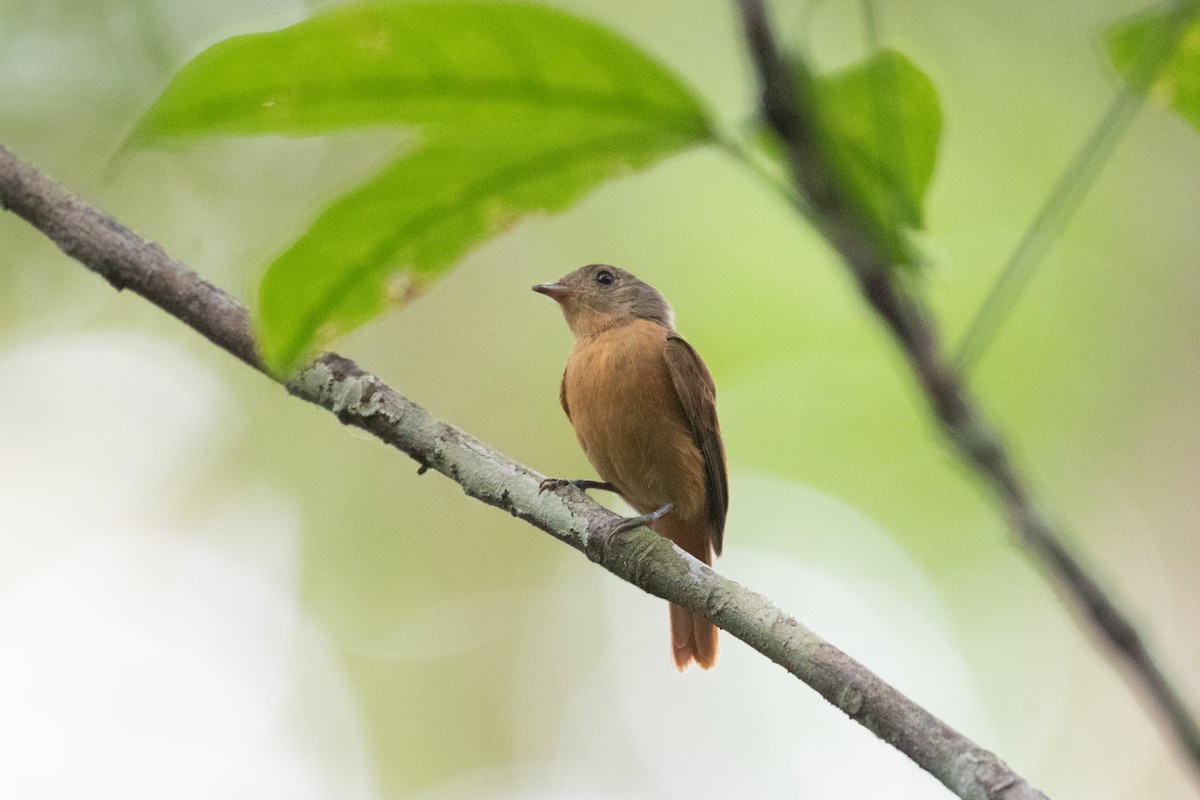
522, 109
1158, 51
450, 65
880, 122
385, 241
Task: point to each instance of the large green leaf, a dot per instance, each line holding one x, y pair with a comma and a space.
446, 64
522, 108
1158, 50
880, 122
386, 240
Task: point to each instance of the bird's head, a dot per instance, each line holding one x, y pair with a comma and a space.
597, 297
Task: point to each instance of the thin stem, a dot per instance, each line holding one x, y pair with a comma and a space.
744, 153
870, 25
1054, 215
1064, 199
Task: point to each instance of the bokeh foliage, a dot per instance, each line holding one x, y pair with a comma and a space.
484, 661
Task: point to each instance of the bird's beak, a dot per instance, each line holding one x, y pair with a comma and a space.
558, 291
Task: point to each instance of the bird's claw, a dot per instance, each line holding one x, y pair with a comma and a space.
554, 484
551, 485
629, 523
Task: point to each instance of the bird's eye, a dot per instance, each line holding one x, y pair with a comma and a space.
604, 277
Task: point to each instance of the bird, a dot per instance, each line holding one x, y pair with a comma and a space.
643, 406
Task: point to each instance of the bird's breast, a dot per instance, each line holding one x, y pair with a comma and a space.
629, 420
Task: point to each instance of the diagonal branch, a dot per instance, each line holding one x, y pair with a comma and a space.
959, 416
641, 557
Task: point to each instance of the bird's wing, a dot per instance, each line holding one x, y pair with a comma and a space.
562, 396
698, 396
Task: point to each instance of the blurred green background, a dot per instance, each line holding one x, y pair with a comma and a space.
209, 589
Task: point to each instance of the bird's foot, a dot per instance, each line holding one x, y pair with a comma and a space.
554, 484
629, 523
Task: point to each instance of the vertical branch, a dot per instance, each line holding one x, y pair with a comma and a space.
786, 110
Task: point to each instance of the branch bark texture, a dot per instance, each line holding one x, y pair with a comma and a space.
958, 415
641, 557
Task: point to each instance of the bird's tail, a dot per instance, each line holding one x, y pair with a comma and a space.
693, 637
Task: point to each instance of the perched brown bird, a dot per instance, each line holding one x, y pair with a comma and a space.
644, 408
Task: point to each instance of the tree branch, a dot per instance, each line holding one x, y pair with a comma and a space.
959, 416
641, 557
